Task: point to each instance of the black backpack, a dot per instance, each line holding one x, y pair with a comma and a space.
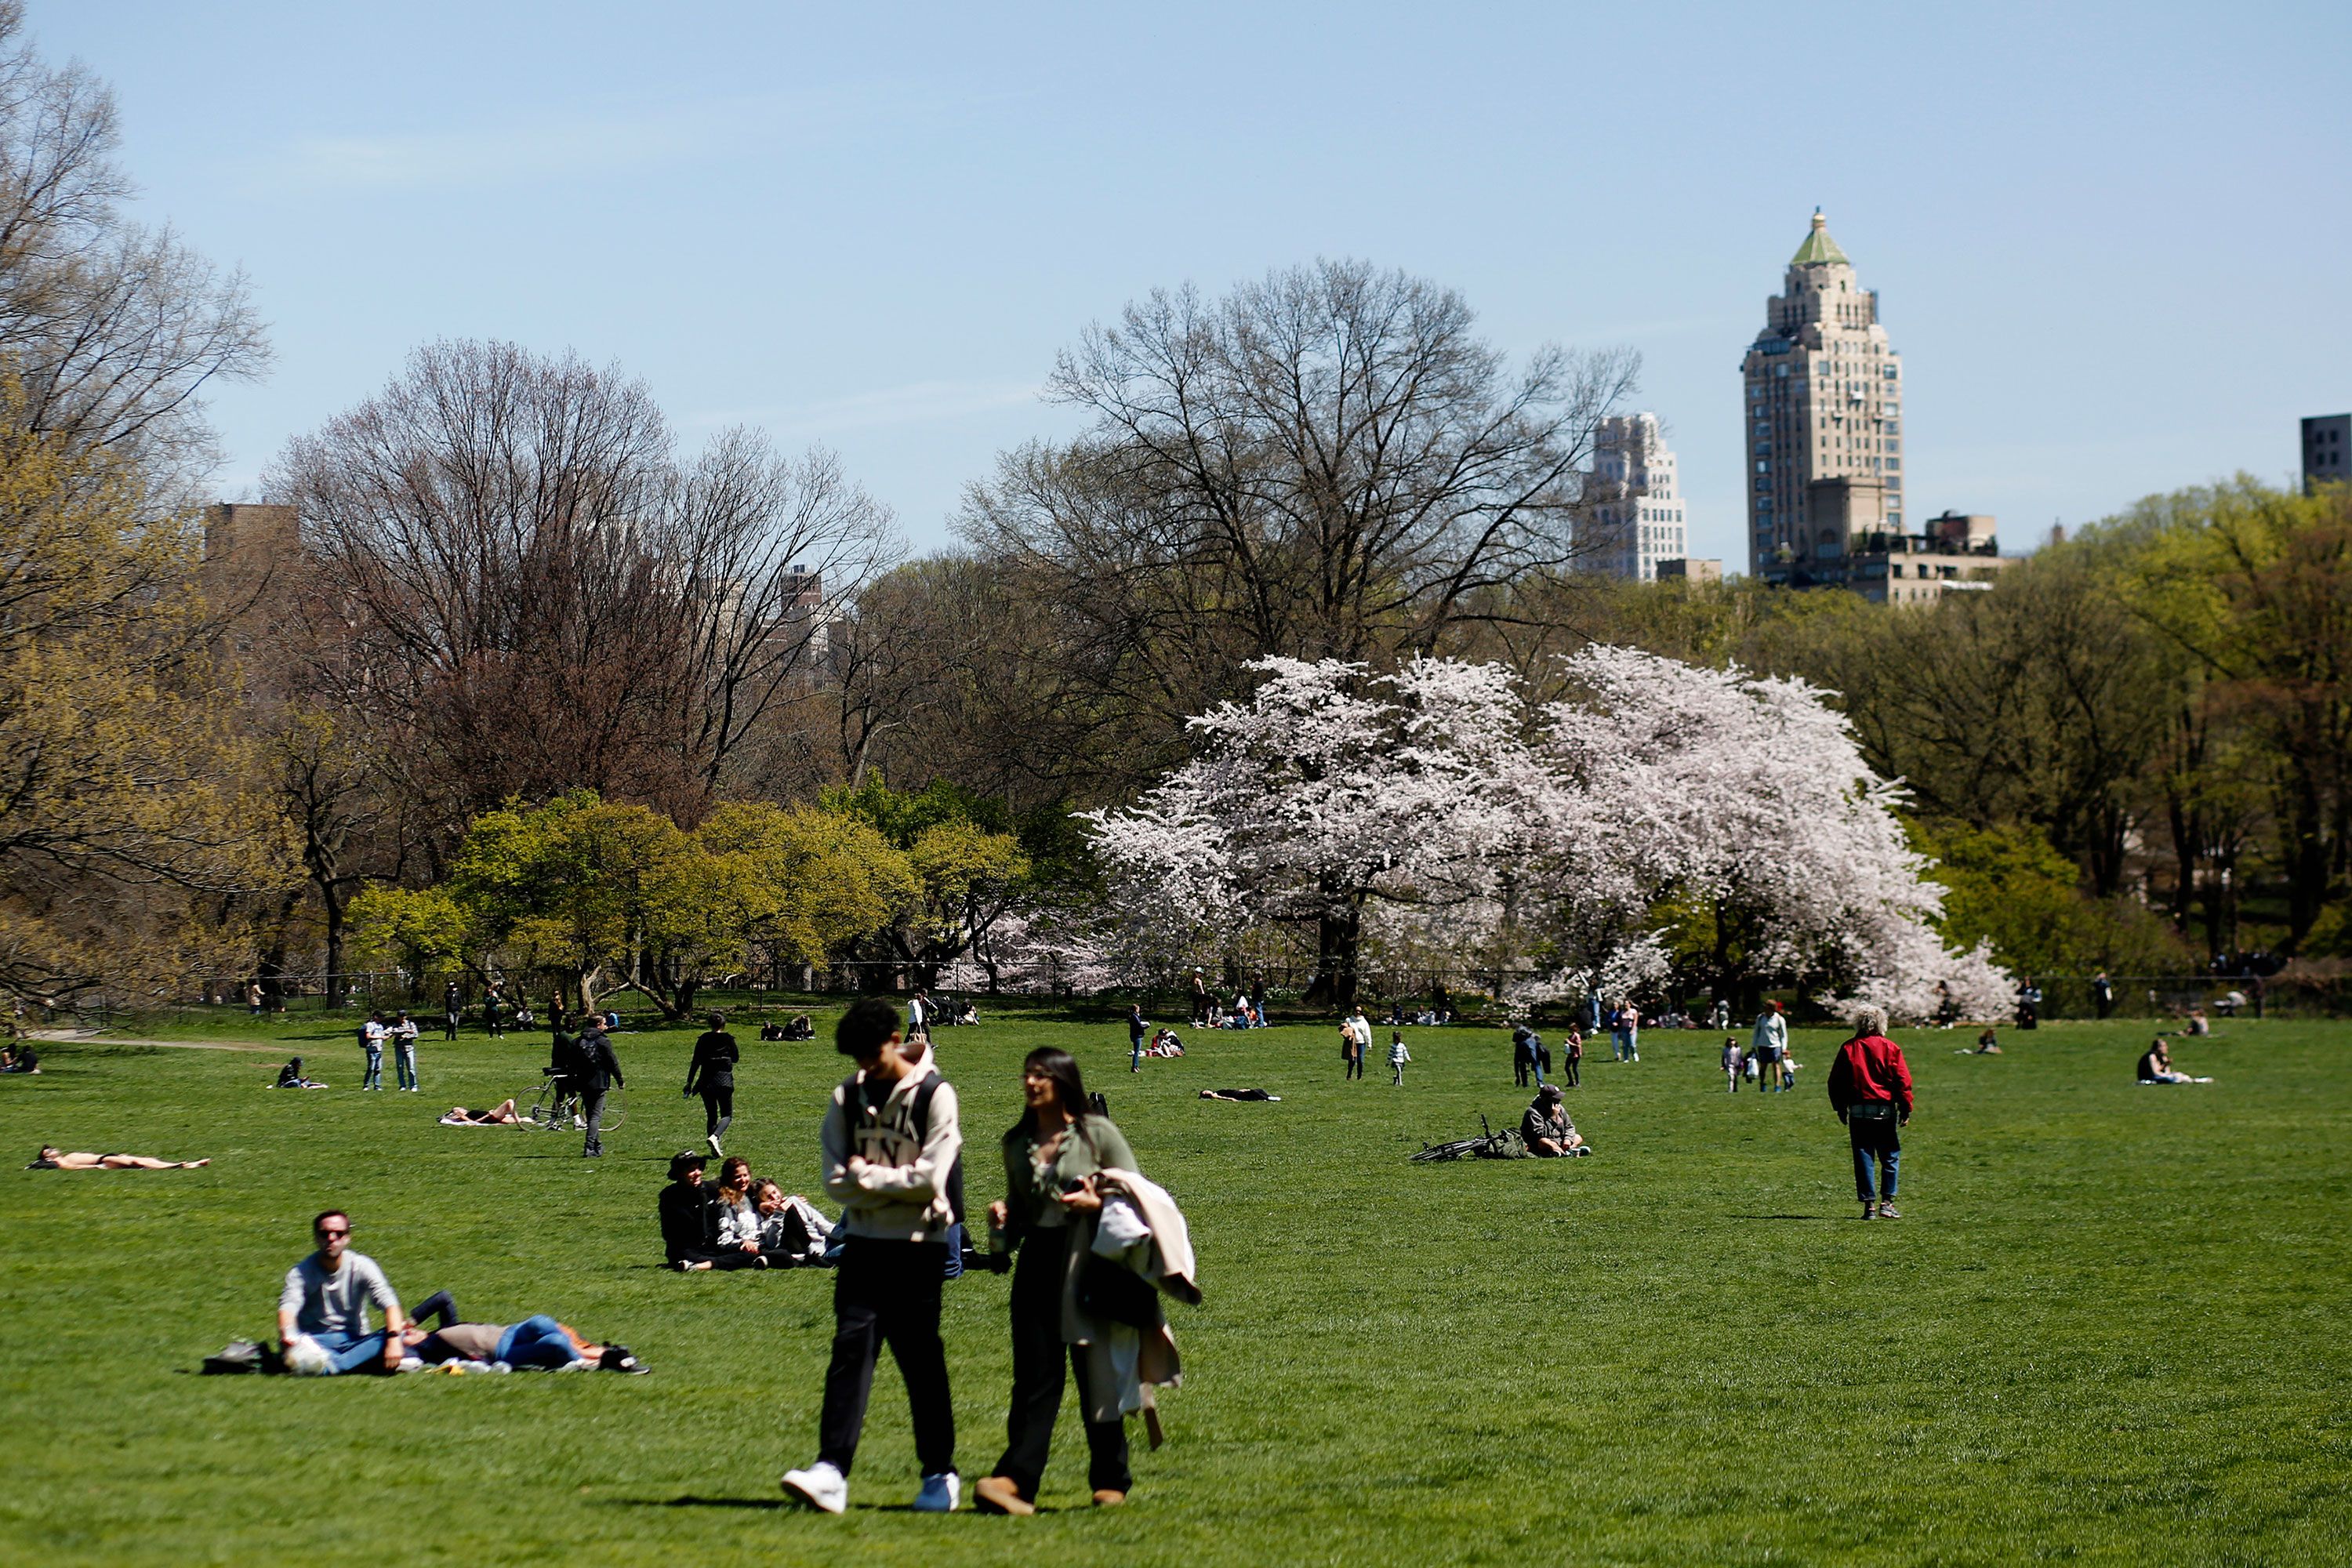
924, 1093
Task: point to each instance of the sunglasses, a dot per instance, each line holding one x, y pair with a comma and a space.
325, 1231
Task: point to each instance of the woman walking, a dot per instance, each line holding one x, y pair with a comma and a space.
1051, 1156
712, 1071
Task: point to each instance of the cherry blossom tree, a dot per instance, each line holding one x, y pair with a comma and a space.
1329, 790
1658, 821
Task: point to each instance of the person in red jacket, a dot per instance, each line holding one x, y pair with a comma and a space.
1870, 1088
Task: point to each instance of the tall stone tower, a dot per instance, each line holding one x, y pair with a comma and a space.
1824, 422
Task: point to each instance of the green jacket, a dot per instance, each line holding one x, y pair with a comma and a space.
1101, 1147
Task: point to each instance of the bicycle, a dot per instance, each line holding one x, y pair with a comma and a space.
555, 1107
1490, 1146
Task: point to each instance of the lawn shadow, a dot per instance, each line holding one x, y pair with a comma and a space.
768, 1504
1782, 1216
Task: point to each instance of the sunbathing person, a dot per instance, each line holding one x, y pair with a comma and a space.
800, 1028
499, 1115
1237, 1094
54, 1159
536, 1341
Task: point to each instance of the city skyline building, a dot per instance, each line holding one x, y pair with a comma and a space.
2326, 451
1643, 523
1823, 421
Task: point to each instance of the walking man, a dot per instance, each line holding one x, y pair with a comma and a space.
453, 1001
891, 1146
2103, 993
1523, 1055
1870, 1087
715, 1056
372, 1033
600, 1070
1136, 1028
403, 1047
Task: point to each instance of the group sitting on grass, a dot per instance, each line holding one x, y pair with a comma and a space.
19, 1058
745, 1222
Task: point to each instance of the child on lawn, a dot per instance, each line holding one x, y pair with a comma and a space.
1398, 1057
1732, 1057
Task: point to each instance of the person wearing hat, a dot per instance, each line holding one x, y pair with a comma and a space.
689, 1221
1546, 1128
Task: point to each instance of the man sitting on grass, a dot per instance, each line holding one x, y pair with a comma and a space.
1546, 1128
323, 1313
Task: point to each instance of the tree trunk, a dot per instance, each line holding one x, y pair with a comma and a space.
1337, 935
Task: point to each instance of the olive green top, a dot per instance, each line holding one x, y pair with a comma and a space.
1030, 1190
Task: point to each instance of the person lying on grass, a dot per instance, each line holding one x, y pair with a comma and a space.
51, 1158
537, 1341
1546, 1128
499, 1115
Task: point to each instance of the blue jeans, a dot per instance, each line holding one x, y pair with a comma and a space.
406, 1054
374, 1079
1875, 1139
1135, 1053
537, 1341
350, 1354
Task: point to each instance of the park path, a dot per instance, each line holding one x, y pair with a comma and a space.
72, 1037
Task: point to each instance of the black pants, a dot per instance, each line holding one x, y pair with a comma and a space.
1355, 1068
592, 1108
1575, 1078
888, 1290
1519, 1066
717, 1107
733, 1259
1039, 1356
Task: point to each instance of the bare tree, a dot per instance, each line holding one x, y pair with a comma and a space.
114, 330
1329, 462
505, 555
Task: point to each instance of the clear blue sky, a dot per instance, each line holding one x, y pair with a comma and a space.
2114, 243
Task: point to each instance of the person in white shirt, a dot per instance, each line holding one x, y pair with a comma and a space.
404, 1045
372, 1035
1769, 1044
1398, 1057
1732, 1057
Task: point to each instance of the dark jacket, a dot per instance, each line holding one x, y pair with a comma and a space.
599, 1069
689, 1220
1870, 1067
715, 1056
563, 1057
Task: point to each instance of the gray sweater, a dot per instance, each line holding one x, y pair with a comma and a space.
336, 1303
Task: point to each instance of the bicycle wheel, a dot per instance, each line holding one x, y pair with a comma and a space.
616, 1109
549, 1111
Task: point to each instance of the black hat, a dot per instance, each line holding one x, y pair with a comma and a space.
686, 1160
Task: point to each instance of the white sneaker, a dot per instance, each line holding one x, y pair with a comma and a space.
820, 1486
716, 1152
941, 1494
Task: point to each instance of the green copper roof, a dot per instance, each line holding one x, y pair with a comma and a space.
1818, 247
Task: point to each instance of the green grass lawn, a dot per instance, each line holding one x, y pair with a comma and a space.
2112, 1328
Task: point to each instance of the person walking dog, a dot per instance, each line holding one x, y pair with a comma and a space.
1870, 1087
